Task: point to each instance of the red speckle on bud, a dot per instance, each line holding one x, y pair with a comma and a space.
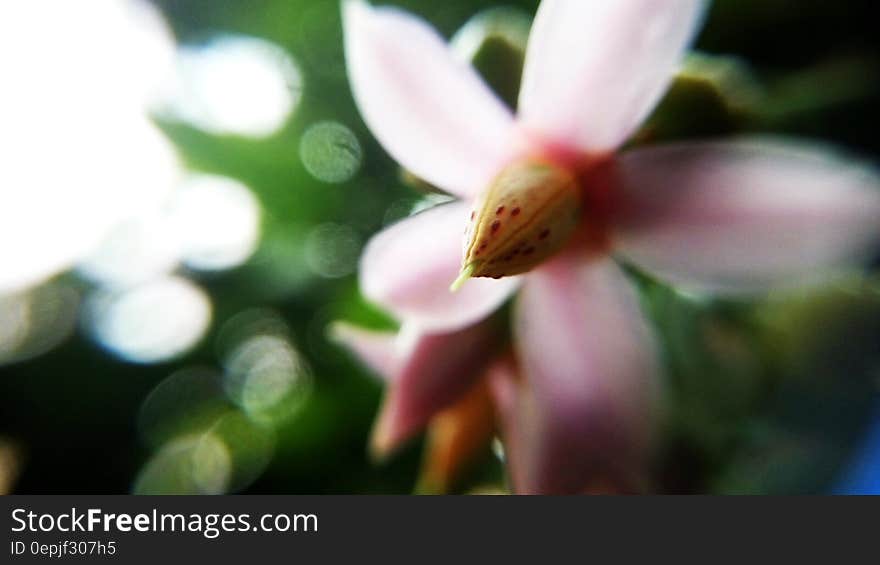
539, 195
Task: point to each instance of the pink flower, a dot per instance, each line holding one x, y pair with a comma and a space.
578, 400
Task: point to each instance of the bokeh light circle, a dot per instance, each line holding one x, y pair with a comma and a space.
235, 84
193, 464
217, 221
264, 372
332, 250
134, 252
36, 321
149, 323
330, 152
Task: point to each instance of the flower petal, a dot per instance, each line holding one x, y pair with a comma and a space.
379, 351
408, 267
432, 113
595, 69
588, 361
513, 408
745, 215
439, 369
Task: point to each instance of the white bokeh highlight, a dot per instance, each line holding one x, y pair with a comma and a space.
135, 252
236, 85
217, 222
77, 152
149, 323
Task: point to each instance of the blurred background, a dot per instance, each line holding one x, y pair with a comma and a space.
185, 189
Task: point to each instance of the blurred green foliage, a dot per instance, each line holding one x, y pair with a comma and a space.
764, 397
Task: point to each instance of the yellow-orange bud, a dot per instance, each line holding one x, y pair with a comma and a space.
528, 214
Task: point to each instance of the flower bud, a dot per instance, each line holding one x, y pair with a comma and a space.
528, 213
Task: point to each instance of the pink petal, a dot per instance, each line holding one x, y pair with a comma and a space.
588, 361
431, 112
379, 351
437, 371
745, 215
408, 267
595, 69
514, 408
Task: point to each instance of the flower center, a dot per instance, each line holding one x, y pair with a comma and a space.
533, 209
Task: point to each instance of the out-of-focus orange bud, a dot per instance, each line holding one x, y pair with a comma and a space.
456, 437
